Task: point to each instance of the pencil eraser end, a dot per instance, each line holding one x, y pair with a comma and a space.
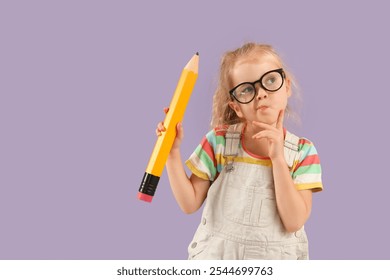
148, 187
145, 197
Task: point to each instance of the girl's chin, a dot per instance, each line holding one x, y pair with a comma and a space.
269, 121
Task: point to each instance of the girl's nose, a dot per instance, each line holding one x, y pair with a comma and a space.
261, 94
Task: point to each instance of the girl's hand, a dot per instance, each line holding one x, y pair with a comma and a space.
179, 132
274, 135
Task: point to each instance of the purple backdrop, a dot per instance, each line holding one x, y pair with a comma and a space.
83, 84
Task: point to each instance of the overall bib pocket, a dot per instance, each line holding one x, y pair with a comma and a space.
250, 205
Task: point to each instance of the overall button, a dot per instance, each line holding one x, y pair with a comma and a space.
193, 245
204, 221
298, 234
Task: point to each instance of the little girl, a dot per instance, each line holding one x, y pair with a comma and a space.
258, 177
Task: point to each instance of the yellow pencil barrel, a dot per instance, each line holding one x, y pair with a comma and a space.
165, 141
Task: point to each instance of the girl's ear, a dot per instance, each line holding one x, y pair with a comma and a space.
288, 87
236, 108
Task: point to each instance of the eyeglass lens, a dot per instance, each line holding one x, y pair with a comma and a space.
246, 92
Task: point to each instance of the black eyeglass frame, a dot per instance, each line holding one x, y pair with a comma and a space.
260, 81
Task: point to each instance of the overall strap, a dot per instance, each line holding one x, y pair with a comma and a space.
232, 137
291, 152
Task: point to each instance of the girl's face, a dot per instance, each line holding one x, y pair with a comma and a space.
265, 107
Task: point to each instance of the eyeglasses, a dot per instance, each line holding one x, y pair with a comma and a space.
271, 81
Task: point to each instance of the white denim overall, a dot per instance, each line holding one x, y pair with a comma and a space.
240, 219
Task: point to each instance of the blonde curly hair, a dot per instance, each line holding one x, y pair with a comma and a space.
222, 114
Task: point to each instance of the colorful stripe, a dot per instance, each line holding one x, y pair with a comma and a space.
207, 161
315, 187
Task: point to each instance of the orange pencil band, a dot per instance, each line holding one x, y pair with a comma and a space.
164, 142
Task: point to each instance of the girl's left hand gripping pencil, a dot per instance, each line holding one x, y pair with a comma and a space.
164, 142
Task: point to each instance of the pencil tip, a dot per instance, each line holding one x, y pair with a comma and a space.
197, 53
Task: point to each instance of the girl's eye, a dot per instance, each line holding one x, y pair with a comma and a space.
270, 80
246, 90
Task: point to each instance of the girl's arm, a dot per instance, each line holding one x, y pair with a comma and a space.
294, 206
189, 193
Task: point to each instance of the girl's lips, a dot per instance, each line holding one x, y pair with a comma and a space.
262, 108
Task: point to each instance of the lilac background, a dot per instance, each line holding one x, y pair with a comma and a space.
83, 84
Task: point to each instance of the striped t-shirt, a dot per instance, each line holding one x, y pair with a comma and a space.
207, 160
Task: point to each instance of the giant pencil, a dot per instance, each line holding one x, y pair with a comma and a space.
164, 142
